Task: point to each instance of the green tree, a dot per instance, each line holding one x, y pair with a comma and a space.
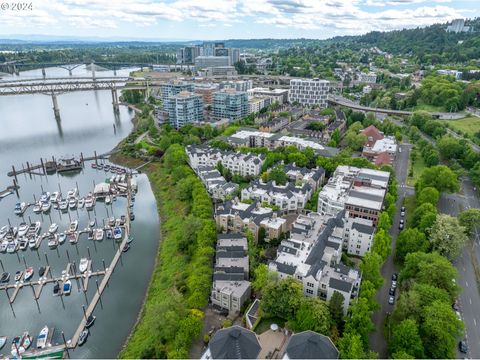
409, 241
368, 291
335, 306
360, 321
282, 298
421, 211
440, 330
447, 236
470, 219
351, 347
440, 177
384, 221
381, 243
430, 293
408, 306
312, 315
428, 195
278, 175
406, 338
370, 266
262, 277
449, 147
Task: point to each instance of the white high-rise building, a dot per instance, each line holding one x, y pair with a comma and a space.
309, 92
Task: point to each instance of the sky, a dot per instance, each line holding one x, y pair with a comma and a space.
225, 19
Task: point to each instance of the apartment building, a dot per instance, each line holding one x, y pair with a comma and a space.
239, 85
173, 88
238, 163
215, 183
231, 287
312, 255
202, 62
206, 91
358, 236
237, 217
286, 197
314, 177
369, 78
275, 124
230, 104
309, 92
257, 103
184, 108
279, 96
359, 191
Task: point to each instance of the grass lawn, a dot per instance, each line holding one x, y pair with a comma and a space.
418, 168
426, 107
410, 204
265, 323
469, 125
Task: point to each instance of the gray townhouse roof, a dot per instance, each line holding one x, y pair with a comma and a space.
316, 173
341, 285
311, 345
230, 254
230, 248
221, 276
230, 236
289, 189
234, 342
229, 270
285, 268
227, 209
287, 249
362, 228
340, 115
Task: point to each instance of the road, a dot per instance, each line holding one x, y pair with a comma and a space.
377, 340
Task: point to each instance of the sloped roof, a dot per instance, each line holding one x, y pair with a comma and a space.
373, 132
311, 345
234, 343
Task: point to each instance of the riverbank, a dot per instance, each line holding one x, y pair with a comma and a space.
170, 317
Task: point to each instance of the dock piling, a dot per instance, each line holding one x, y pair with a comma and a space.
3, 269
46, 258
68, 256
88, 250
84, 313
25, 262
65, 344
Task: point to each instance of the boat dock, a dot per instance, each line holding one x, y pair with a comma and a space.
37, 285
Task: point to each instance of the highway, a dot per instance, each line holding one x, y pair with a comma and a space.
377, 340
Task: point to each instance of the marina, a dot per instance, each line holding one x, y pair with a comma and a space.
83, 128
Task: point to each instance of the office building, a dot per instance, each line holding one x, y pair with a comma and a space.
457, 26
239, 85
188, 54
309, 92
184, 108
202, 62
279, 96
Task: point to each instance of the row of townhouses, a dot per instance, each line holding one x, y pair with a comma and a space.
238, 163
359, 191
231, 287
217, 186
254, 138
312, 255
237, 217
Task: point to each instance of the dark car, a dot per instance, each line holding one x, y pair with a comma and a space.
462, 347
394, 276
391, 291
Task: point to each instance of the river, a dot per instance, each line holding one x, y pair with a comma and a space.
29, 131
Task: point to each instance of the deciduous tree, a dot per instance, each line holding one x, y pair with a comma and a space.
409, 241
406, 338
447, 236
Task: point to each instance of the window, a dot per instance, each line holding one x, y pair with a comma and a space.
309, 284
309, 291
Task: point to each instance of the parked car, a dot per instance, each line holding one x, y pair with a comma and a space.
462, 347
391, 291
456, 306
400, 226
391, 300
403, 209
402, 213
394, 277
394, 284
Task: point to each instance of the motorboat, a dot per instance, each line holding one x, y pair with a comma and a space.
61, 238
52, 241
34, 228
41, 271
109, 233
26, 340
117, 222
92, 223
72, 193
89, 202
123, 219
37, 208
100, 166
17, 349
63, 205
23, 243
46, 206
20, 208
117, 233
53, 228
91, 234
22, 229
94, 166
12, 246
42, 338
67, 287
5, 277
131, 215
72, 203
130, 239
28, 273
45, 197
81, 203
73, 226
99, 234
18, 275
111, 221
126, 247
56, 288
108, 200
72, 237
3, 246
91, 319
3, 341
56, 197
33, 241
83, 337
4, 231
83, 265
106, 167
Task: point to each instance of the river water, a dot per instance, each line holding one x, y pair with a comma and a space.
28, 131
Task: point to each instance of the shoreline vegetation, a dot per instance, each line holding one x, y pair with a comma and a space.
171, 316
